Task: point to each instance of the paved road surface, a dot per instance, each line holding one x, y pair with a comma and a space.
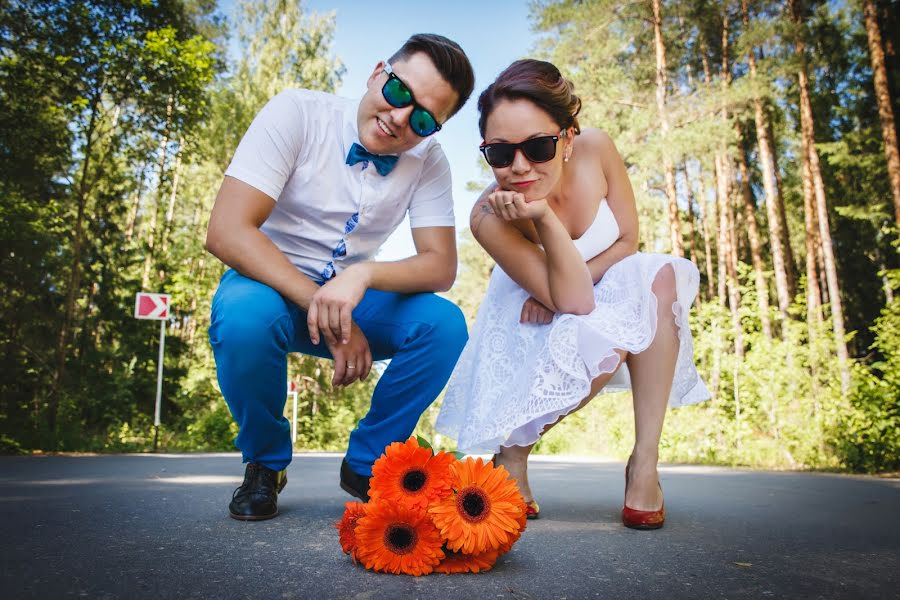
145, 526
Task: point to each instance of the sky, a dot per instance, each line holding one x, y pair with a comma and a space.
493, 34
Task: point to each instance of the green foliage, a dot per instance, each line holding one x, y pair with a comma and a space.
117, 122
870, 435
118, 119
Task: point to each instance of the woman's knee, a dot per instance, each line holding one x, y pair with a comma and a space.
664, 287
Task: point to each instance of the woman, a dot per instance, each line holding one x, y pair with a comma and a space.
570, 300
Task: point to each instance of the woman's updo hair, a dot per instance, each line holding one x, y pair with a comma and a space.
537, 81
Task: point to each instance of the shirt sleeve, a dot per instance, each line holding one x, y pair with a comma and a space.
271, 147
432, 202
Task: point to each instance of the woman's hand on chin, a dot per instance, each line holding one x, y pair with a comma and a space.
511, 206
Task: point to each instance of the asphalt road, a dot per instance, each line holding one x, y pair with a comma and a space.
142, 526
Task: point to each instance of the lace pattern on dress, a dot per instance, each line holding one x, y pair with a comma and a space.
513, 379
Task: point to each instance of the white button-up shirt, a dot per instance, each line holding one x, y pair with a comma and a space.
295, 152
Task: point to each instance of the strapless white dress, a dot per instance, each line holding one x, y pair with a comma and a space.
513, 379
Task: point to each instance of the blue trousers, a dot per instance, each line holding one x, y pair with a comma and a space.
253, 328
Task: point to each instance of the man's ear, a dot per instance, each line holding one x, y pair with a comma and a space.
376, 72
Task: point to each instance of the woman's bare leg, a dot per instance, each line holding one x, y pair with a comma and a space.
515, 458
652, 372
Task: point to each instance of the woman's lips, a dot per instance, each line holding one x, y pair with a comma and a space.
523, 184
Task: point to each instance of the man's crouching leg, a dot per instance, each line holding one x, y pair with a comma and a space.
250, 332
423, 335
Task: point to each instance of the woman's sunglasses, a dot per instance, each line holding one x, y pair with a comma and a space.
399, 95
537, 150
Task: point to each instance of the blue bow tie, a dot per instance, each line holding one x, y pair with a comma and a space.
384, 164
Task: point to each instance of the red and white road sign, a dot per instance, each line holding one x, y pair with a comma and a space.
292, 387
151, 306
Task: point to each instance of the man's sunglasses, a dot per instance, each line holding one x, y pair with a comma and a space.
537, 150
399, 95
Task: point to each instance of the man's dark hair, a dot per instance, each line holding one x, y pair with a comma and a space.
449, 60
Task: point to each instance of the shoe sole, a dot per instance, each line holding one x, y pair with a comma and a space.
253, 517
643, 527
353, 492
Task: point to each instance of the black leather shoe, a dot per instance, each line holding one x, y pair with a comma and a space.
257, 498
353, 483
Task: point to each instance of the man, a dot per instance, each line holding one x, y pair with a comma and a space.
315, 187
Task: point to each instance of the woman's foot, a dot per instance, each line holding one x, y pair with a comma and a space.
517, 467
642, 489
644, 507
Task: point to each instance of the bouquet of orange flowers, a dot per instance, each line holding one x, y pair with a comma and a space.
432, 512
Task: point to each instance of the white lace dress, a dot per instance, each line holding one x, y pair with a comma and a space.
513, 378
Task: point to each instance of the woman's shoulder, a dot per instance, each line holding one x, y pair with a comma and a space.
480, 209
595, 139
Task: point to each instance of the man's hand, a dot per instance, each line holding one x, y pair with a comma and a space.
353, 360
511, 206
331, 307
535, 312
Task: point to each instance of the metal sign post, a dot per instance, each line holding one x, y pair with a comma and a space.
159, 370
155, 307
292, 392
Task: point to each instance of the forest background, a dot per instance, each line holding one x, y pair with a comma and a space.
761, 139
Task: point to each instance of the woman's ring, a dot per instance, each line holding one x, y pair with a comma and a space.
507, 203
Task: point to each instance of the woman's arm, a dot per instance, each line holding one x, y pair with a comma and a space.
620, 198
571, 288
558, 277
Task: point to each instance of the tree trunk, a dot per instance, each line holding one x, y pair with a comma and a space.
728, 292
132, 213
813, 294
73, 284
151, 237
790, 266
668, 164
706, 232
762, 288
173, 195
726, 207
710, 230
723, 253
691, 246
809, 149
773, 200
885, 110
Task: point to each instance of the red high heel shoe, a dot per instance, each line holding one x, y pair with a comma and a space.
642, 519
532, 510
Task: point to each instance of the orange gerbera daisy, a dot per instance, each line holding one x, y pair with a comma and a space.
407, 473
457, 562
395, 538
522, 520
347, 525
484, 511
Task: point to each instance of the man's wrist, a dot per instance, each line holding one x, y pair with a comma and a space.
361, 272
